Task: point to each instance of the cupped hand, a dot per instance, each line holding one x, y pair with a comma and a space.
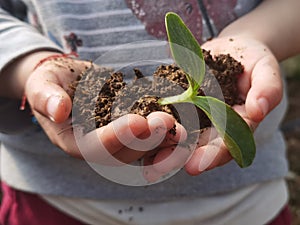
260, 86
125, 139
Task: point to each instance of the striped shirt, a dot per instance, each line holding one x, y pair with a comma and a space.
92, 28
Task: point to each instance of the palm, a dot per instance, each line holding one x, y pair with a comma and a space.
261, 88
123, 141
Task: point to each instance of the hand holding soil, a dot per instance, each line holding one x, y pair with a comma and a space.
102, 97
134, 132
99, 92
47, 91
260, 86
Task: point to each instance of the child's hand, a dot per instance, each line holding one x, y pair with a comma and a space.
127, 138
260, 86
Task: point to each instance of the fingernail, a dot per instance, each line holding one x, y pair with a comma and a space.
203, 164
52, 105
263, 105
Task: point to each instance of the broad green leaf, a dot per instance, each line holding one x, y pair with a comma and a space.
185, 49
187, 54
230, 125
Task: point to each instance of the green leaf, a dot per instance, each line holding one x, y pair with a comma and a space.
236, 133
183, 97
187, 54
185, 49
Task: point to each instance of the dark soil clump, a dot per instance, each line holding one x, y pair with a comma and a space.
103, 96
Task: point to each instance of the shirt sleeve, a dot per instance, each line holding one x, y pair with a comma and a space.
18, 38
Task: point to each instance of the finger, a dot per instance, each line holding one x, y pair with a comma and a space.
127, 156
208, 157
47, 85
164, 162
61, 135
48, 98
149, 173
99, 145
176, 135
171, 158
158, 134
126, 134
266, 89
206, 135
158, 125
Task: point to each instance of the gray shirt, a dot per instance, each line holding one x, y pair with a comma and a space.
31, 163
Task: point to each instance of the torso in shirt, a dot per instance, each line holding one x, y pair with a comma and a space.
93, 27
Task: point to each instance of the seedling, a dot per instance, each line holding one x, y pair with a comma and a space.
187, 54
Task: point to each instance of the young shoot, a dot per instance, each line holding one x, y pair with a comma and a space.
187, 54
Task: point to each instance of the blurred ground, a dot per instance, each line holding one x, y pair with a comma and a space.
291, 129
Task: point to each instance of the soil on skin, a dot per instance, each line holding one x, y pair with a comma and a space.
105, 96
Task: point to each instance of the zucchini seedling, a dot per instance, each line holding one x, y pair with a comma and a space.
187, 54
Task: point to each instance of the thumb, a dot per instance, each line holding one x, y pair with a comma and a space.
46, 88
266, 89
48, 98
